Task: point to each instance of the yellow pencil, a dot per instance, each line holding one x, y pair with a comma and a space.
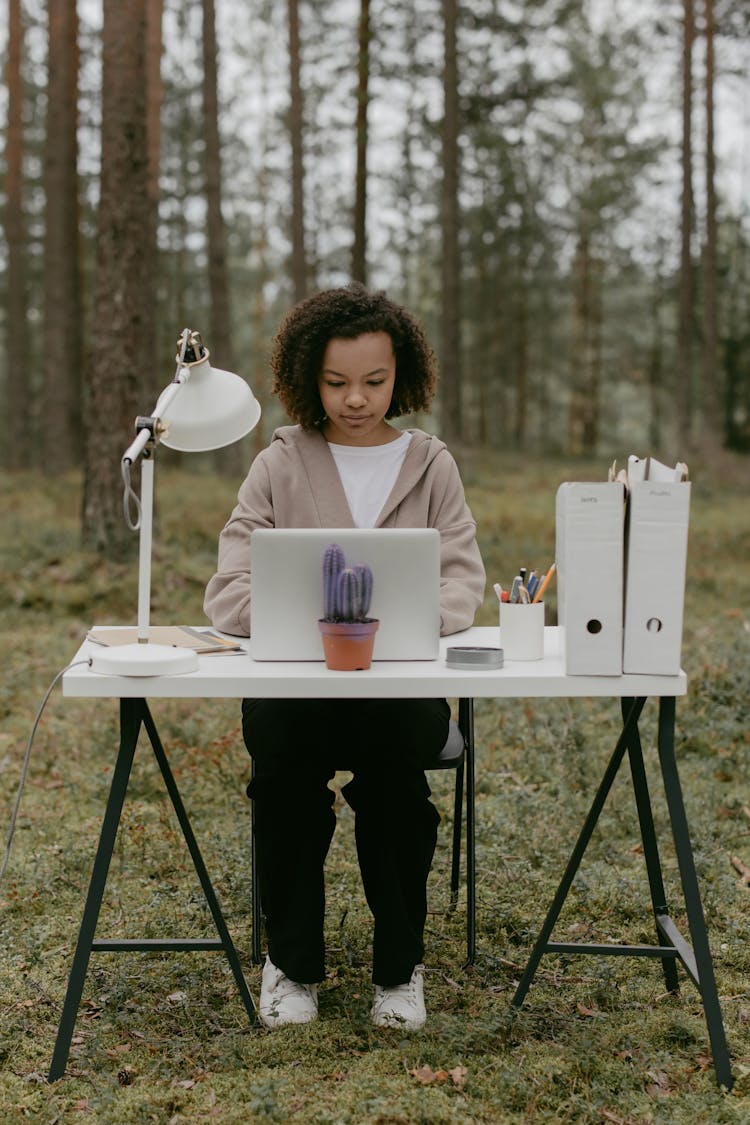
544, 584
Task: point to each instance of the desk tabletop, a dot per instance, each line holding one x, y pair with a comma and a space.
225, 676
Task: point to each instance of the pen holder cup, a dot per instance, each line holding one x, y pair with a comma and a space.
522, 630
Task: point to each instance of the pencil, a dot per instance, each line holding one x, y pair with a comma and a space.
544, 584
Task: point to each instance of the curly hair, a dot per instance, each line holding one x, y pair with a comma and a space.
348, 312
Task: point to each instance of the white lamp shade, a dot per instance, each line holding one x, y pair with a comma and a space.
213, 409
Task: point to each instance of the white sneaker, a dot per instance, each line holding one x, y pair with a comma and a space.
402, 1006
284, 1001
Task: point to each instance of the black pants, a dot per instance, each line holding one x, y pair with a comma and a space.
297, 745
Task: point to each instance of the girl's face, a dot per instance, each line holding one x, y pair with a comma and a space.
356, 386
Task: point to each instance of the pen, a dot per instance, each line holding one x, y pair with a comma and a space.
515, 590
544, 583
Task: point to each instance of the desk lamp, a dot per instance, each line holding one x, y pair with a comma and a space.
203, 408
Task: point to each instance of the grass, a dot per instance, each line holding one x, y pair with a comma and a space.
164, 1038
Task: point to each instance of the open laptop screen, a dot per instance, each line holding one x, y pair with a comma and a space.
286, 589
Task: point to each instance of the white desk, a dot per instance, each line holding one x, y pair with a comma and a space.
238, 676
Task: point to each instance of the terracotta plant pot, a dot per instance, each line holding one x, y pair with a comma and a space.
347, 645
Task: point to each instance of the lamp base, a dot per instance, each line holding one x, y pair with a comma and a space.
144, 660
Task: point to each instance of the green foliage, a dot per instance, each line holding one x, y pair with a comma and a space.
165, 1038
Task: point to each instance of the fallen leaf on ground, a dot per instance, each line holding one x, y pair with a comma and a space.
426, 1075
659, 1084
742, 868
614, 1118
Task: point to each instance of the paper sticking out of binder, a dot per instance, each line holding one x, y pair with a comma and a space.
656, 538
648, 468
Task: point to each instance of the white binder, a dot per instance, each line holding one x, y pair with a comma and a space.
589, 532
656, 562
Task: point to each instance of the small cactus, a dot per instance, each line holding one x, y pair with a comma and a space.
347, 591
333, 564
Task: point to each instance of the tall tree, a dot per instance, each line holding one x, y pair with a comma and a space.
63, 304
218, 280
221, 339
154, 87
451, 415
17, 453
684, 390
296, 131
711, 397
123, 291
359, 249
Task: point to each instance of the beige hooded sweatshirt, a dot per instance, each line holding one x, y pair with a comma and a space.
294, 482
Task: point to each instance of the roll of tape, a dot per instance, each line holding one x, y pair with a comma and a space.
474, 659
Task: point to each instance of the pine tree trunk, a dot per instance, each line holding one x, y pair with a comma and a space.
16, 447
63, 345
296, 130
220, 340
451, 377
712, 396
520, 420
684, 393
124, 290
577, 406
359, 250
155, 88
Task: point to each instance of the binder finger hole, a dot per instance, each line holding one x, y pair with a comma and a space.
593, 626
653, 625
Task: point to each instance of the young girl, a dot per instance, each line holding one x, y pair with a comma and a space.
346, 361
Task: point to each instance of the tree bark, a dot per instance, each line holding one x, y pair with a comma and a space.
155, 91
450, 400
124, 290
17, 450
359, 250
63, 306
712, 395
296, 131
684, 391
220, 339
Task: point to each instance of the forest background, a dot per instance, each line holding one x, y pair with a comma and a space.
558, 188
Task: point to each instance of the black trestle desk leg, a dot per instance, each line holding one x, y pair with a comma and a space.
650, 846
466, 725
130, 723
693, 907
200, 867
540, 947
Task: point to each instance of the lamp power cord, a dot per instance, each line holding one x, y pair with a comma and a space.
27, 758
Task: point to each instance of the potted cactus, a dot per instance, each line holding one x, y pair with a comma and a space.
348, 633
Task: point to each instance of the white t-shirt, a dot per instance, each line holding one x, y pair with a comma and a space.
368, 473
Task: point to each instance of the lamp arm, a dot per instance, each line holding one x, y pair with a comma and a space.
149, 430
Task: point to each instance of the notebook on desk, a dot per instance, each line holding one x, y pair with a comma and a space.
286, 590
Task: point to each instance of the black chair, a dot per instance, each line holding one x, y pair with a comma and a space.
458, 755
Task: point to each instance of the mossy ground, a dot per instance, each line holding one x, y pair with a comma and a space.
164, 1038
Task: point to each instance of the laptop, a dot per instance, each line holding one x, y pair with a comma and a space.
286, 590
